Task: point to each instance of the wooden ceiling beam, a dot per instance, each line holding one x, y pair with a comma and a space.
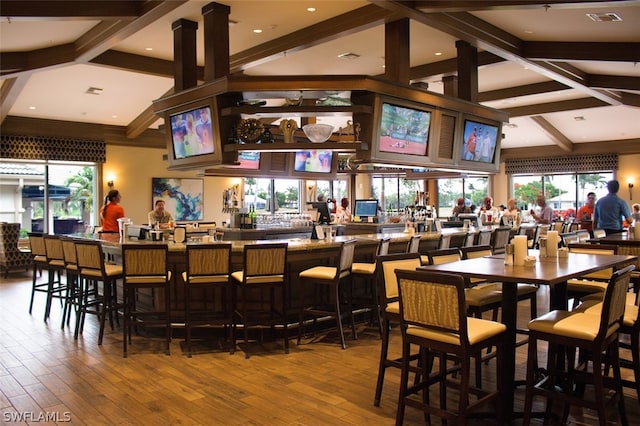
450, 66
485, 36
9, 92
342, 25
631, 99
616, 82
625, 146
473, 5
549, 107
518, 91
554, 134
581, 51
60, 9
145, 119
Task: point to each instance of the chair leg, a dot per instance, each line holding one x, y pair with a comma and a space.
382, 364
167, 309
285, 330
339, 316
531, 369
404, 384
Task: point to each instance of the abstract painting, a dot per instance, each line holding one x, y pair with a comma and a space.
182, 197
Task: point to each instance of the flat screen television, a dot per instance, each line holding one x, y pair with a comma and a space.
479, 142
404, 130
192, 133
366, 208
313, 161
323, 211
247, 160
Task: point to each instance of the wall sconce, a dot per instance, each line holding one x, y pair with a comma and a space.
111, 181
630, 190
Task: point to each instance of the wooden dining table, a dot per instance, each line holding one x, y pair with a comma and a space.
551, 271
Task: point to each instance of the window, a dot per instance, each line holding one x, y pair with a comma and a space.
52, 197
472, 189
565, 193
263, 192
394, 192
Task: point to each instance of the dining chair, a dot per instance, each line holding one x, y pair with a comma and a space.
334, 279
208, 273
366, 272
146, 267
91, 299
470, 239
390, 308
631, 329
264, 267
586, 332
569, 238
599, 233
583, 235
595, 282
433, 316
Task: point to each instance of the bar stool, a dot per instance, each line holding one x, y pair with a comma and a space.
92, 270
71, 269
39, 256
208, 268
56, 288
145, 267
367, 272
264, 268
333, 279
433, 317
590, 333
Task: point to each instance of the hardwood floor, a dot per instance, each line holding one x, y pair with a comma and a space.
44, 372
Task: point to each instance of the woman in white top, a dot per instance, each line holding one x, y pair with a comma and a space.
343, 213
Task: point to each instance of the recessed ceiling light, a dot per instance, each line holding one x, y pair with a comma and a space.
438, 53
114, 116
148, 49
348, 55
311, 9
257, 31
32, 107
528, 31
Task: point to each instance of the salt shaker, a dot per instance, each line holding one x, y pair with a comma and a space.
508, 254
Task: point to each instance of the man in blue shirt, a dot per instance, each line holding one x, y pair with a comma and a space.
611, 210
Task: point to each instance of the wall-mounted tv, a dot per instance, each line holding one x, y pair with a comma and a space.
479, 142
403, 130
247, 160
192, 133
313, 161
193, 136
366, 208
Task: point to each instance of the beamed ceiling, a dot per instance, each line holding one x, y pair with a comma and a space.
570, 83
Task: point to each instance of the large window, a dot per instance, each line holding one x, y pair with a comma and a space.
472, 189
565, 193
272, 195
394, 192
51, 197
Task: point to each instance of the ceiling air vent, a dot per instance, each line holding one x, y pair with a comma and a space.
604, 17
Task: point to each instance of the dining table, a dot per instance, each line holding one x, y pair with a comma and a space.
550, 271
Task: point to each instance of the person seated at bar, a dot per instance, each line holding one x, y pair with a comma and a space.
160, 216
461, 207
491, 212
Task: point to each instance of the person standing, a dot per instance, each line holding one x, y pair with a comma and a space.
585, 213
342, 211
111, 211
610, 210
159, 215
546, 212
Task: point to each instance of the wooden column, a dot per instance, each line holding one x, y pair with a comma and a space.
450, 83
216, 40
396, 51
467, 71
184, 54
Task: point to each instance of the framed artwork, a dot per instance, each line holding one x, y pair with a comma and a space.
182, 197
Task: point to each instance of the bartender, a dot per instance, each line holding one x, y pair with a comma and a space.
160, 216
